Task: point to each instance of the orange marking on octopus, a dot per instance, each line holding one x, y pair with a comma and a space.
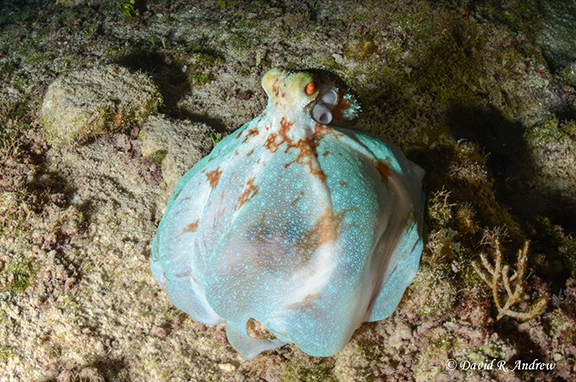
328, 226
249, 192
321, 131
309, 156
275, 88
326, 230
270, 143
282, 133
214, 177
383, 170
307, 303
293, 203
307, 147
250, 133
250, 153
285, 126
192, 227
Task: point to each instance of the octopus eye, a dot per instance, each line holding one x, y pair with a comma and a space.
310, 88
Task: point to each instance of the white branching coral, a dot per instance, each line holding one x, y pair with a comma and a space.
498, 275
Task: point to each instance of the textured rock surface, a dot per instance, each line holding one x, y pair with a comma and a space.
102, 99
553, 151
558, 34
546, 165
178, 145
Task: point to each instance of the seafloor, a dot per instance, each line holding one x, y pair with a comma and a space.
103, 106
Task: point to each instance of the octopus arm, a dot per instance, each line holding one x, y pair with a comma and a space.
400, 246
176, 263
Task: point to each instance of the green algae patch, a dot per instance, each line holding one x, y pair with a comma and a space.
99, 100
16, 274
16, 268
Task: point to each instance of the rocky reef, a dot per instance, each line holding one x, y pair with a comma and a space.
104, 105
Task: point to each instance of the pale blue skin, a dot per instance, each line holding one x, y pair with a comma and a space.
308, 229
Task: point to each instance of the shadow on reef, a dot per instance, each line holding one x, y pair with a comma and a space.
499, 136
109, 368
169, 77
173, 84
100, 370
16, 10
503, 141
525, 347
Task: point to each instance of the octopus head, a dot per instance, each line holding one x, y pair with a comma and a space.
320, 94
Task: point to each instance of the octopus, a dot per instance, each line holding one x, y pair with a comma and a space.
295, 220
